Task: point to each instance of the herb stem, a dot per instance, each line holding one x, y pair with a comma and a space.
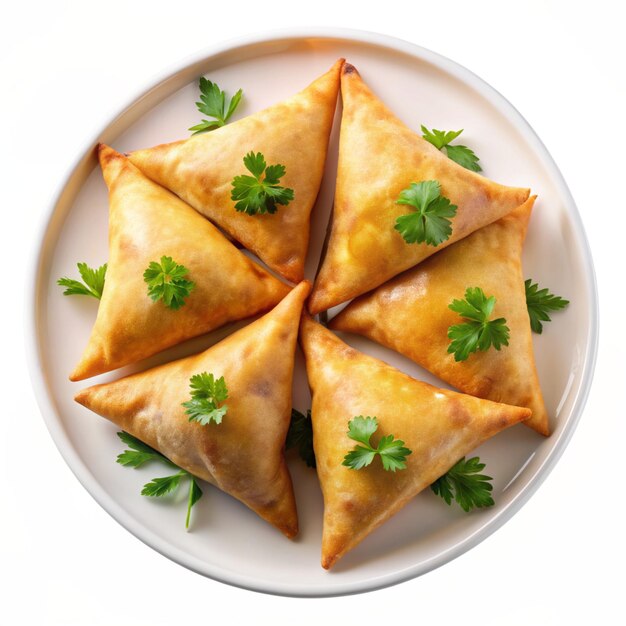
189, 502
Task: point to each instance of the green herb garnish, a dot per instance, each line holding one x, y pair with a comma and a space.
478, 332
539, 302
300, 436
141, 453
463, 483
167, 280
93, 282
213, 104
429, 222
459, 154
207, 394
254, 194
391, 451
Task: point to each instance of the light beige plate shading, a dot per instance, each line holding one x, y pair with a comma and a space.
147, 222
438, 426
294, 133
410, 314
379, 156
243, 455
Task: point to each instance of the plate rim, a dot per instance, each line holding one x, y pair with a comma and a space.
110, 505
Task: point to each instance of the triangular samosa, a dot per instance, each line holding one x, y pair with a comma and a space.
243, 455
293, 133
378, 158
410, 314
147, 222
438, 426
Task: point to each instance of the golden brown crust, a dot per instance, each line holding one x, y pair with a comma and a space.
410, 314
243, 455
294, 133
146, 222
439, 427
379, 157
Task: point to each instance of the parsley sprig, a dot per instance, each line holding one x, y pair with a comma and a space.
478, 332
539, 302
207, 394
429, 222
300, 435
141, 453
167, 280
464, 483
93, 282
391, 451
260, 193
459, 154
213, 104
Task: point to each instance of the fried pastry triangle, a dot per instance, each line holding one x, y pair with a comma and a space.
293, 133
410, 314
147, 222
379, 157
438, 426
242, 456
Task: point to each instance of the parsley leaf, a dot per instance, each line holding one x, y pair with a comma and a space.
429, 223
206, 395
391, 451
464, 157
141, 453
213, 104
160, 486
539, 302
254, 195
478, 332
93, 282
167, 280
440, 138
459, 154
463, 483
300, 436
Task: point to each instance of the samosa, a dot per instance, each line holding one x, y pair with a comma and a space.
293, 133
380, 160
147, 223
437, 426
243, 455
411, 314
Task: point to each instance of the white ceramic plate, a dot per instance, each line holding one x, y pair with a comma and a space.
227, 541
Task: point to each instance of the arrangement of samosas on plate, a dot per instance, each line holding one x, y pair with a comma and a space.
425, 251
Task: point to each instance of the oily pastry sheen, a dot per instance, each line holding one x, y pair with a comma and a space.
242, 456
147, 222
294, 133
438, 426
379, 157
410, 314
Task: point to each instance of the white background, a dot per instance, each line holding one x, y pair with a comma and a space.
65, 67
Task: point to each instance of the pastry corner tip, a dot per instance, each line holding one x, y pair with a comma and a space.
328, 561
81, 396
107, 154
349, 69
291, 531
313, 305
103, 150
304, 287
542, 426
